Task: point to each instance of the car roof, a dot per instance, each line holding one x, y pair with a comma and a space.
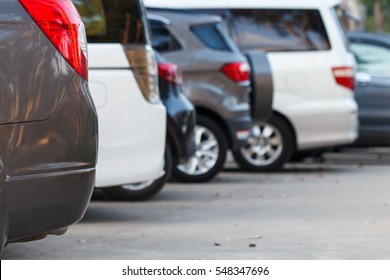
370, 36
182, 17
287, 4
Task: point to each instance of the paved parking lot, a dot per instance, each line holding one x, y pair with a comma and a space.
338, 210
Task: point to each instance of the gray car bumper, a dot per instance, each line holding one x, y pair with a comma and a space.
239, 129
43, 203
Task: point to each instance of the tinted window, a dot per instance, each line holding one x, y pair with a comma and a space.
372, 58
280, 30
212, 36
114, 21
162, 39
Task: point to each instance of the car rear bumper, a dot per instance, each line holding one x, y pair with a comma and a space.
3, 221
239, 129
181, 125
138, 160
46, 202
370, 135
326, 129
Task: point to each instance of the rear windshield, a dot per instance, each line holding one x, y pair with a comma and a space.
114, 21
371, 57
213, 37
280, 29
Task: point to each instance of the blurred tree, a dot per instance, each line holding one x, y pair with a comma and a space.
354, 7
93, 16
380, 11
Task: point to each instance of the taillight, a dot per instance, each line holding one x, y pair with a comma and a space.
62, 25
344, 76
170, 73
237, 71
143, 63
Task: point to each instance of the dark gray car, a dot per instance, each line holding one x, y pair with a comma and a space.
217, 81
372, 52
48, 122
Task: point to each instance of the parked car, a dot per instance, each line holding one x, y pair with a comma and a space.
216, 80
181, 116
48, 122
124, 87
180, 133
313, 73
372, 52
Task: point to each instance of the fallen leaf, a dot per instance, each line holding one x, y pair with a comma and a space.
253, 237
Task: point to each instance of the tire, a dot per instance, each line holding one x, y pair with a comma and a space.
269, 148
206, 163
144, 190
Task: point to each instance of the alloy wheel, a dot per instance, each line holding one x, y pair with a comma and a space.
264, 146
206, 154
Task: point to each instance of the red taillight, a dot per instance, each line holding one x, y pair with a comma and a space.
344, 76
62, 25
237, 71
170, 73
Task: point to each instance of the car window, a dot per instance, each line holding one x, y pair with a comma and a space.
114, 21
341, 19
280, 29
162, 39
372, 58
212, 36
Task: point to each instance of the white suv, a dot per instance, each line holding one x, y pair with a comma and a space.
123, 84
313, 72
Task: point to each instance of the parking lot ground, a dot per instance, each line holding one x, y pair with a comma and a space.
337, 210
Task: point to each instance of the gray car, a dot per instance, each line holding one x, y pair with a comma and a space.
48, 122
217, 81
372, 52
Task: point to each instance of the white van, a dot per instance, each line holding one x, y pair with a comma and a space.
313, 72
123, 84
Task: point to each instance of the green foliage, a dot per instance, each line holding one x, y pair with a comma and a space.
93, 16
371, 2
370, 20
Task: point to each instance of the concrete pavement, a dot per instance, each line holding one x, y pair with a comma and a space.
313, 211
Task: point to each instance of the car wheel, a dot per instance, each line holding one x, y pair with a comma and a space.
270, 145
144, 190
210, 154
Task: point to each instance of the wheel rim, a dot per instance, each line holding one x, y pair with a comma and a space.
138, 186
206, 153
264, 146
